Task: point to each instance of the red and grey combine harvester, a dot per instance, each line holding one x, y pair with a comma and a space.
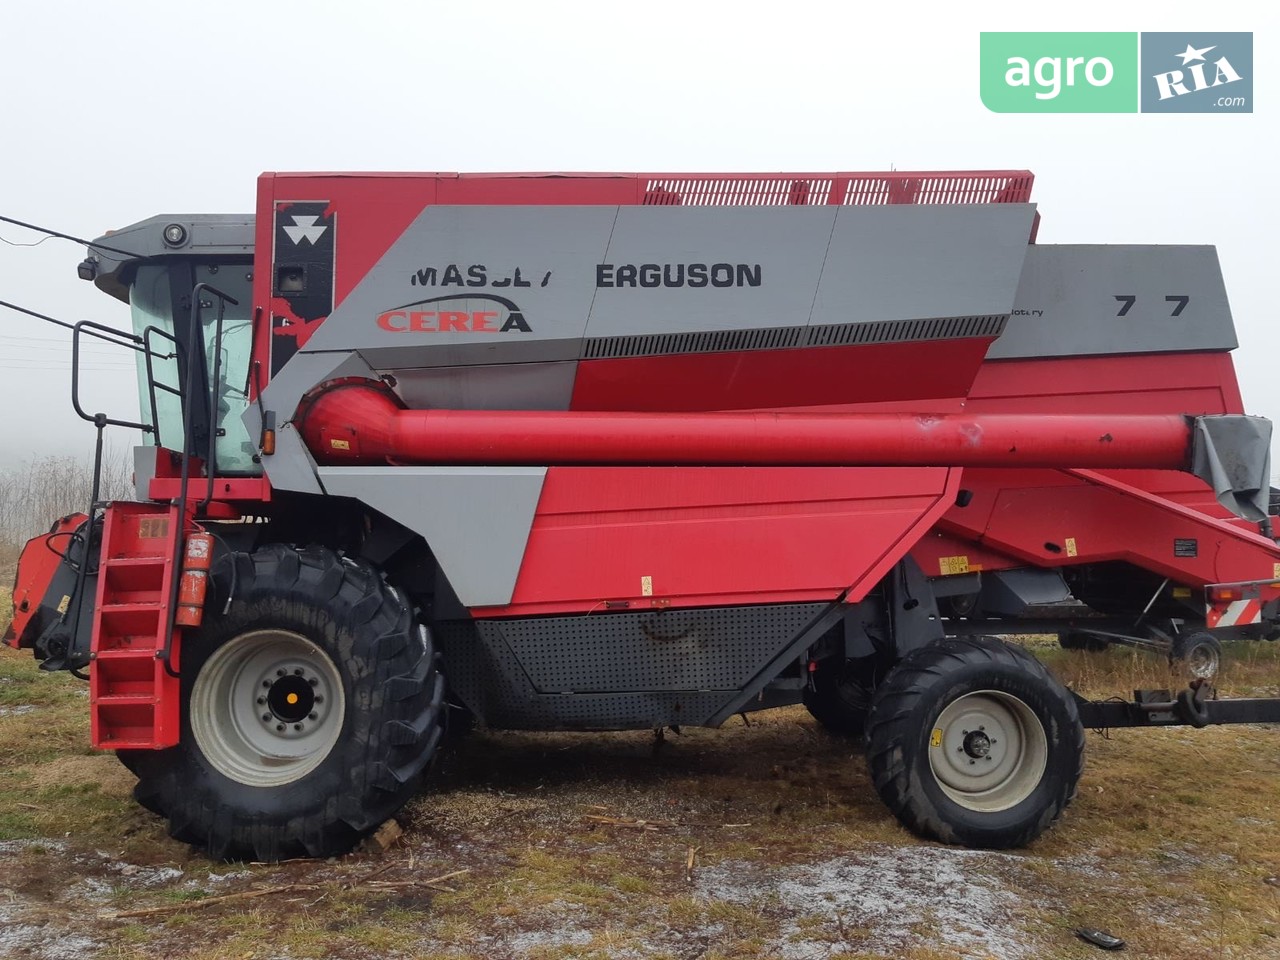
603, 452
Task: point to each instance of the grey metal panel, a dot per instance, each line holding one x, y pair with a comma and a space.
1067, 302
291, 467
476, 520
300, 374
512, 386
1010, 592
144, 470
788, 243
564, 241
905, 261
208, 235
872, 265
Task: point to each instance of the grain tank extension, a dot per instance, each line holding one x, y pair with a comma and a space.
621, 451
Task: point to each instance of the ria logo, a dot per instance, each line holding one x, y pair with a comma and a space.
1197, 73
456, 314
1171, 84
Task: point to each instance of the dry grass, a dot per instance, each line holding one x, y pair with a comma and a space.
1169, 844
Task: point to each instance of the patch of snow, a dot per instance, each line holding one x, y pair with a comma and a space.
29, 940
17, 711
523, 943
19, 846
877, 901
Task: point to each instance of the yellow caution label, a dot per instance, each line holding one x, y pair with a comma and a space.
646, 586
1181, 593
1071, 546
340, 444
950, 566
153, 528
1275, 571
935, 738
64, 603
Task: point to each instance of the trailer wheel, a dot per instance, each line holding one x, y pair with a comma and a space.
971, 741
838, 695
310, 711
1200, 654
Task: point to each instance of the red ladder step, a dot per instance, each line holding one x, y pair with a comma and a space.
133, 699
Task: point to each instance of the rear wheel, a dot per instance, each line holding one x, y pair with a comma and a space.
1200, 654
310, 711
839, 694
971, 741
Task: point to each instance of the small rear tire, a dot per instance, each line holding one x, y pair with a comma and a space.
1199, 654
971, 741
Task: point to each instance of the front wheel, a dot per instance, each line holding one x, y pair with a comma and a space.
971, 741
310, 711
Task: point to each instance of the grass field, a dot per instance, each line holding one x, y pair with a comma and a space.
760, 840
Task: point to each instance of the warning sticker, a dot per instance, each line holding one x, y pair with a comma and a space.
153, 528
1070, 543
949, 566
935, 738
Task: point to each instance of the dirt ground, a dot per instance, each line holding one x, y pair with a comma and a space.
755, 840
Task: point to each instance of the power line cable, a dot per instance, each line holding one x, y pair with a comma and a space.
71, 326
66, 236
15, 243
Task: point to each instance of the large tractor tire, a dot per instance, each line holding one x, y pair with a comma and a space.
839, 694
971, 741
310, 710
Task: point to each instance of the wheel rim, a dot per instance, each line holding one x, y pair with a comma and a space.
988, 751
1202, 662
267, 708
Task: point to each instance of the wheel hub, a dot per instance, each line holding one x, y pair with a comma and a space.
267, 707
987, 751
977, 744
290, 700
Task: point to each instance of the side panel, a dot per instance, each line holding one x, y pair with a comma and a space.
1055, 518
652, 537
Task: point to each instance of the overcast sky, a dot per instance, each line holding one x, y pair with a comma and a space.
111, 113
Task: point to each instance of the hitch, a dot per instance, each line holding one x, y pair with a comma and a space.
1196, 706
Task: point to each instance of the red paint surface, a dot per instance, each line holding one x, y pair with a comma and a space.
719, 535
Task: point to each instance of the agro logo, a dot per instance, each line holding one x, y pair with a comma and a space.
456, 314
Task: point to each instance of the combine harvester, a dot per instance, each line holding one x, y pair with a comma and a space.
615, 451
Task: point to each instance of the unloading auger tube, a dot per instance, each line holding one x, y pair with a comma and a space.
362, 422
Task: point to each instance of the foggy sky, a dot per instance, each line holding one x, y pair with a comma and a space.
113, 113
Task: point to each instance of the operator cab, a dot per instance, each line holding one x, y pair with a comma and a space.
174, 257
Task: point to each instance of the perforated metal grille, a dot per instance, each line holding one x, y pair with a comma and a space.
737, 192
998, 188
775, 338
718, 341
706, 649
894, 331
614, 671
849, 189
